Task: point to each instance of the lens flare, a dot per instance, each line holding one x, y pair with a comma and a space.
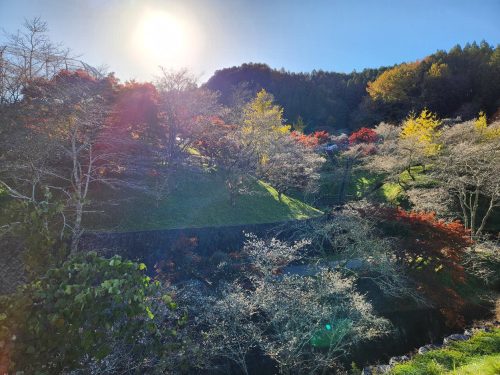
162, 38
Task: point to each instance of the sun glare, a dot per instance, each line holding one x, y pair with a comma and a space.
162, 38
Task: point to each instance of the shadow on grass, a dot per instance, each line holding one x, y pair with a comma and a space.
199, 199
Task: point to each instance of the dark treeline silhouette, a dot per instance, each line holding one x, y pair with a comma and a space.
460, 82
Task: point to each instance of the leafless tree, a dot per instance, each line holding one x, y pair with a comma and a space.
395, 155
291, 165
304, 323
483, 261
469, 170
311, 321
358, 249
185, 111
59, 146
29, 54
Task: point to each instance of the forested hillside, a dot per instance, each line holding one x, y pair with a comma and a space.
460, 82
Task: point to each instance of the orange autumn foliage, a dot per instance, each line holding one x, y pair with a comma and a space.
311, 140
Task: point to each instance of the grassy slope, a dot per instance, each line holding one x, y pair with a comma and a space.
393, 192
329, 186
202, 200
479, 355
362, 182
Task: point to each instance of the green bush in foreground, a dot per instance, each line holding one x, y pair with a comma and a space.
479, 355
80, 312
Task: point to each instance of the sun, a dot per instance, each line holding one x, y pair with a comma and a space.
162, 38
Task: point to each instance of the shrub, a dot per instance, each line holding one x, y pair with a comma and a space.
77, 313
363, 135
311, 140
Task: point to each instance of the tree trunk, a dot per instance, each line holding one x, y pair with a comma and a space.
461, 200
400, 183
232, 194
486, 216
77, 229
345, 180
409, 173
473, 211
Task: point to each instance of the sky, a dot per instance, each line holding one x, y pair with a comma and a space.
134, 37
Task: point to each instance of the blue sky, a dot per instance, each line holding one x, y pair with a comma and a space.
296, 35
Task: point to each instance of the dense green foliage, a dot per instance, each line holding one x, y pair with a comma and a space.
78, 312
36, 228
319, 99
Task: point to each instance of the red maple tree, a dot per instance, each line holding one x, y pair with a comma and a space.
363, 135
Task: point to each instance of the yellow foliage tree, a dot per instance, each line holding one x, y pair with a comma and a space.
263, 124
438, 70
394, 84
423, 130
261, 114
481, 126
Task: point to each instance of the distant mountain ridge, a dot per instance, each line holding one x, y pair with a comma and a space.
460, 82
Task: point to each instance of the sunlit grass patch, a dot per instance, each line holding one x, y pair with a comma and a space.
299, 209
200, 199
391, 192
487, 365
420, 175
479, 355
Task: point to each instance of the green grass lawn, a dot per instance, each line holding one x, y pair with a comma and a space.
480, 355
200, 199
393, 193
360, 183
363, 182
